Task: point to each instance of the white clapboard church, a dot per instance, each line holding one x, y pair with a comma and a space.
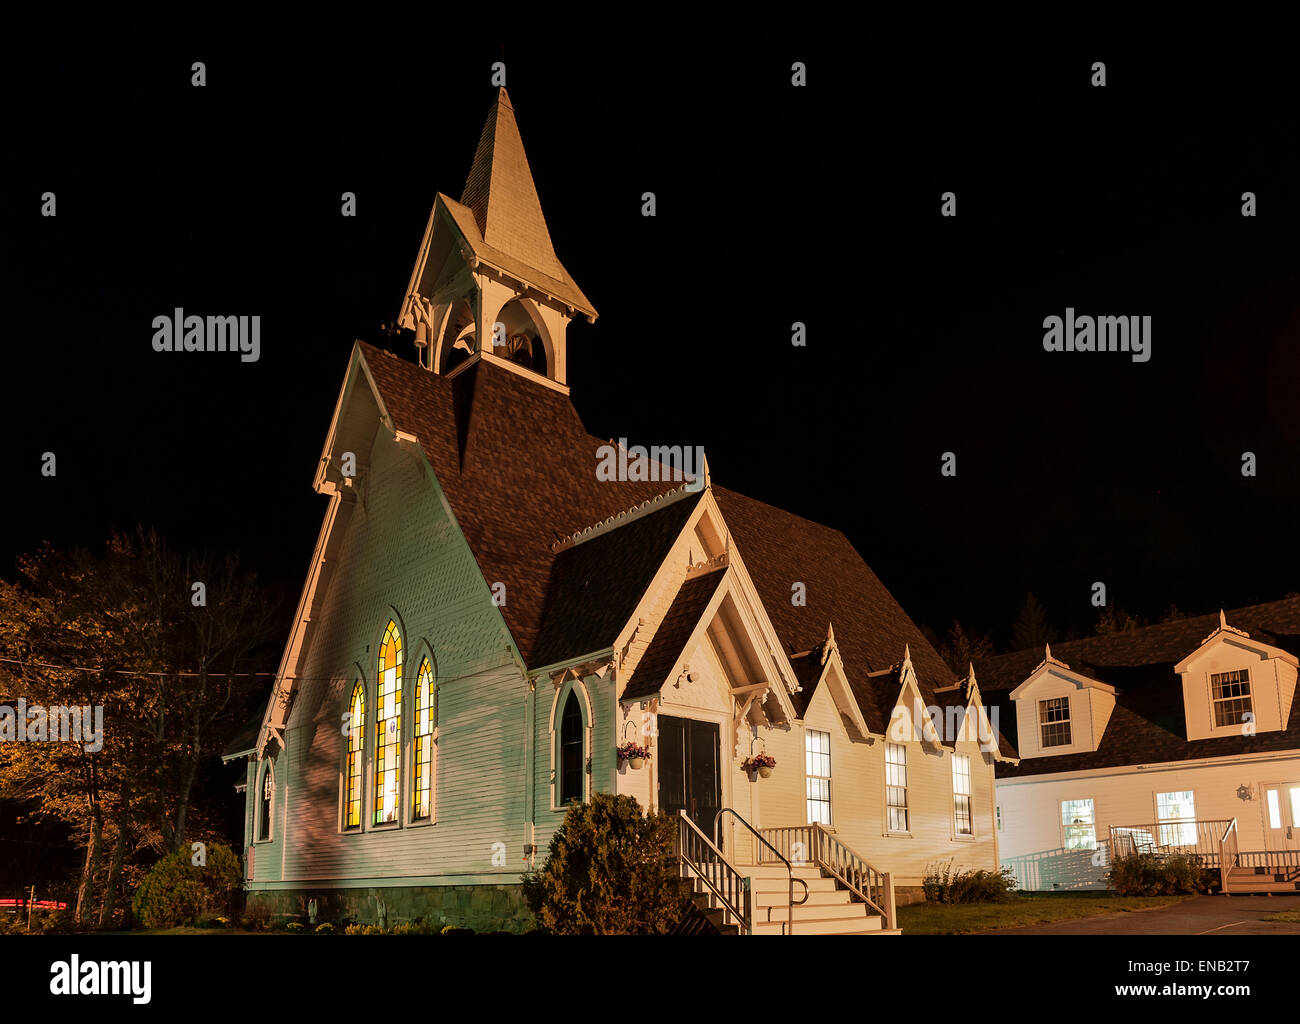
487, 617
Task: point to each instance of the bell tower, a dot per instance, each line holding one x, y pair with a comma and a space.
487, 283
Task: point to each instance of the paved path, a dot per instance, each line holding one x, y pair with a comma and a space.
1201, 915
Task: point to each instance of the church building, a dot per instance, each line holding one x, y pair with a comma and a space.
491, 628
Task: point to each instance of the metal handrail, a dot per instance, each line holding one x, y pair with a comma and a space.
730, 887
791, 904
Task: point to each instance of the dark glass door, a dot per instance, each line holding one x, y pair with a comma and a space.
689, 770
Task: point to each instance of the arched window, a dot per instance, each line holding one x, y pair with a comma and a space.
356, 745
422, 791
571, 744
388, 727
264, 805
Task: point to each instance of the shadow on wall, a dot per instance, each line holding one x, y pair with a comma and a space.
1061, 869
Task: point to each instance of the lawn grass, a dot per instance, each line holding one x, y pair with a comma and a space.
1287, 917
1021, 910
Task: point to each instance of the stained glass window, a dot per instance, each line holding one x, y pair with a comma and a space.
422, 799
356, 742
571, 787
388, 727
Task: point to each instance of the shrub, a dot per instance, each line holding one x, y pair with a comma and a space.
610, 870
325, 928
1149, 874
257, 917
176, 891
293, 926
942, 885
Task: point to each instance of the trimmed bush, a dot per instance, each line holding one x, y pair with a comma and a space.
610, 871
942, 885
176, 892
1149, 874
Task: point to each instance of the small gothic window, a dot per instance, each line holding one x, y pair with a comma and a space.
388, 726
571, 787
422, 800
356, 741
268, 790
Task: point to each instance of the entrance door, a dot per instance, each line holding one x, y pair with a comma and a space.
1282, 816
689, 779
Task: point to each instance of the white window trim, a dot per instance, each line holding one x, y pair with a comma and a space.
557, 709
907, 803
830, 789
962, 837
1067, 721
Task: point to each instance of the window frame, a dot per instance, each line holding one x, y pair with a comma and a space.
1216, 703
265, 817
431, 736
958, 797
892, 788
398, 632
1066, 826
810, 777
558, 704
1169, 826
1045, 723
357, 730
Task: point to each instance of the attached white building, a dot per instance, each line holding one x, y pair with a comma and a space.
1183, 737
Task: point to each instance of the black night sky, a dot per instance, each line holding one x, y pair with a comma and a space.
775, 204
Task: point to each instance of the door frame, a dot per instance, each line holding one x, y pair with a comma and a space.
1285, 807
726, 754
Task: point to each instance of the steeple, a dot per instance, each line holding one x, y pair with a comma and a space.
502, 196
486, 281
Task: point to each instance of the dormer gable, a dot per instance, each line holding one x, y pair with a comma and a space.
1234, 685
1060, 711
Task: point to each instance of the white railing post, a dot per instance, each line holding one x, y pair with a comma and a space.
891, 915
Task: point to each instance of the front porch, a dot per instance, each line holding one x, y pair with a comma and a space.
1212, 844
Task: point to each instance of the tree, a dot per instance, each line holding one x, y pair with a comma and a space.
1114, 619
610, 870
169, 672
961, 646
1031, 629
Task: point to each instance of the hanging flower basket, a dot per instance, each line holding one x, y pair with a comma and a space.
761, 763
633, 753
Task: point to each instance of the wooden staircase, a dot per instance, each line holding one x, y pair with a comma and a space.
1275, 878
778, 898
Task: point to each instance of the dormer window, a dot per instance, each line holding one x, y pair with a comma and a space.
1230, 692
1054, 721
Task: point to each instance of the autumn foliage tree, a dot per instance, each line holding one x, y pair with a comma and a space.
126, 631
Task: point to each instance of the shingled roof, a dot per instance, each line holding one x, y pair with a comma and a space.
1148, 724
519, 471
496, 440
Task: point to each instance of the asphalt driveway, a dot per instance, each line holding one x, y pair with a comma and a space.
1201, 915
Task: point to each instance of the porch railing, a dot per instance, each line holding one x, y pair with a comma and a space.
1199, 839
1227, 853
813, 844
705, 861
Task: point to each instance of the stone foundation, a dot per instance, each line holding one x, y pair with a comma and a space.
905, 894
485, 908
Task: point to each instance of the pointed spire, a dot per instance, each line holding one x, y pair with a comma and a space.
501, 194
1048, 648
907, 656
1223, 620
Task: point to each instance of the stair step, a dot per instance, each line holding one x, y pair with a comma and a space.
849, 911
1248, 887
778, 871
819, 926
816, 897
